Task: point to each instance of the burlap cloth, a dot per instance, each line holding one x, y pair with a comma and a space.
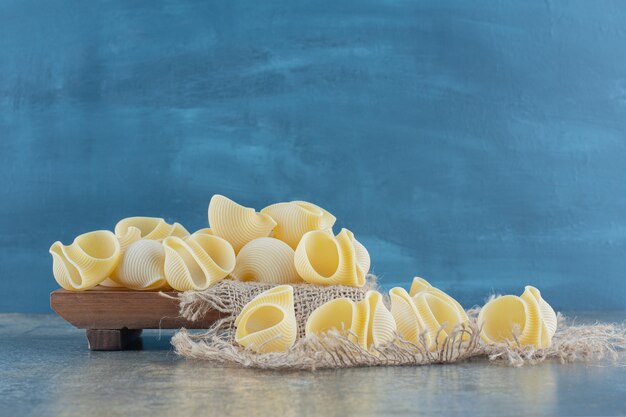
571, 342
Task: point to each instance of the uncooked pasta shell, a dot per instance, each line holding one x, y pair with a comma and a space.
142, 266
343, 315
296, 218
548, 315
419, 284
405, 314
268, 322
337, 314
381, 325
438, 317
533, 332
527, 320
367, 323
153, 228
197, 262
87, 261
132, 235
324, 259
268, 260
236, 223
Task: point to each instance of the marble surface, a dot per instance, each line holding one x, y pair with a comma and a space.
46, 370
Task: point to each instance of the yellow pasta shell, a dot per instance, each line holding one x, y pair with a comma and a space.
132, 229
206, 231
438, 316
381, 327
237, 224
266, 259
527, 318
419, 284
142, 266
324, 259
406, 316
343, 315
132, 235
367, 322
548, 315
338, 314
268, 322
296, 218
87, 261
152, 228
197, 262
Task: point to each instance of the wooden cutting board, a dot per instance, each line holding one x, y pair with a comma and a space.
114, 317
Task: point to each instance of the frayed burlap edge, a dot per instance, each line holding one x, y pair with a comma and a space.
570, 343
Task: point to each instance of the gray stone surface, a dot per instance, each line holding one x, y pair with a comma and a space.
46, 370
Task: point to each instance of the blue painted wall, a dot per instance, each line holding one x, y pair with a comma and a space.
479, 144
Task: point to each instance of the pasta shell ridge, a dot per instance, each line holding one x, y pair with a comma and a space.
236, 223
142, 266
405, 314
266, 259
532, 331
381, 325
548, 315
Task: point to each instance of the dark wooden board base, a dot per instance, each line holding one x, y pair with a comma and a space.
114, 317
122, 339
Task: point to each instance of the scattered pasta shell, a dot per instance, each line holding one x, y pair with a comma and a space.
197, 262
142, 266
152, 228
367, 322
406, 316
340, 314
268, 260
324, 259
381, 325
438, 317
296, 218
529, 319
268, 322
420, 284
236, 223
87, 261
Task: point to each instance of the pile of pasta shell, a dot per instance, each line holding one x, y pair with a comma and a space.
284, 243
426, 316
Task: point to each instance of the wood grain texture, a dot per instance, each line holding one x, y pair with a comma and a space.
111, 308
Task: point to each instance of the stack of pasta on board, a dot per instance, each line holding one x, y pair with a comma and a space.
288, 244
